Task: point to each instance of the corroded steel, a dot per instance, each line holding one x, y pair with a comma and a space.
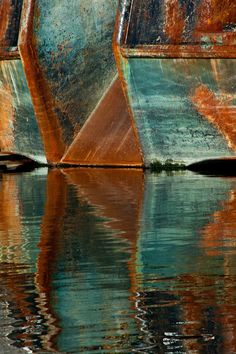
10, 13
107, 138
64, 53
67, 57
176, 62
19, 132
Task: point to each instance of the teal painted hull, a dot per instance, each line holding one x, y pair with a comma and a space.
171, 117
177, 63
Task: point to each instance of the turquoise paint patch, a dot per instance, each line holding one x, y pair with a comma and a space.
169, 126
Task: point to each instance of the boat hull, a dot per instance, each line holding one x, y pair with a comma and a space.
181, 89
67, 60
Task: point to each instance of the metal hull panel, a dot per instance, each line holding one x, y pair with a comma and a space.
67, 56
184, 109
177, 63
19, 132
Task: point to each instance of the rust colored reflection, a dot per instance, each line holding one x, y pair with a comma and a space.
203, 292
50, 233
13, 269
28, 292
219, 239
101, 187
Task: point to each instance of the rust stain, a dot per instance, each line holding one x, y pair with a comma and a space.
217, 235
42, 100
6, 117
218, 110
174, 21
214, 16
5, 15
107, 138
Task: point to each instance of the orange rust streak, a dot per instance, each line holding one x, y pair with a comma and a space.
107, 138
218, 111
42, 100
174, 20
6, 119
54, 212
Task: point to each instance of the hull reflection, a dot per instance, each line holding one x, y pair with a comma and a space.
117, 261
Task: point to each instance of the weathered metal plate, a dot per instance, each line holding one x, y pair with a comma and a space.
178, 28
19, 132
107, 138
10, 13
184, 109
66, 51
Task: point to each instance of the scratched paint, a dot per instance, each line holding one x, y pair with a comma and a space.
183, 108
19, 132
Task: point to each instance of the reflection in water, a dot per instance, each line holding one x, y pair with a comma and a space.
98, 260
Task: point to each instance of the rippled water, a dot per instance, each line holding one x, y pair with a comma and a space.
117, 261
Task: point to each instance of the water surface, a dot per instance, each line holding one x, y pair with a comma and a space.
117, 261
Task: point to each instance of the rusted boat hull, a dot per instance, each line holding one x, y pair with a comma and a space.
64, 53
176, 61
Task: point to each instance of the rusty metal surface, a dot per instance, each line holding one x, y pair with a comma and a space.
179, 28
107, 138
184, 109
68, 61
19, 132
10, 13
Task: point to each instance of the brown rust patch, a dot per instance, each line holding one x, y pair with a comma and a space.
10, 12
214, 16
6, 118
107, 138
5, 15
219, 111
174, 21
42, 100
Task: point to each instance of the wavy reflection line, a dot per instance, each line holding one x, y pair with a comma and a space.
51, 229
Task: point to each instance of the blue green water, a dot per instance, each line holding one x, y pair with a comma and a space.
117, 261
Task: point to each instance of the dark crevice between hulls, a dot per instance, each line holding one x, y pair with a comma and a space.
12, 163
